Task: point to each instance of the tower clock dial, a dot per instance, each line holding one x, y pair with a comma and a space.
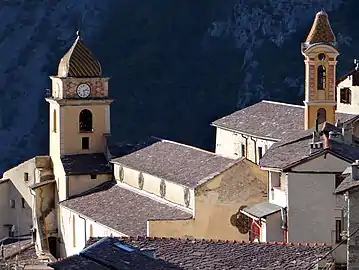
83, 90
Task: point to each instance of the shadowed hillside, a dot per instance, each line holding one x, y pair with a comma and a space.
175, 65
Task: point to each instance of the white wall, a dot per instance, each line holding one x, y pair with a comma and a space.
82, 231
353, 107
228, 144
175, 193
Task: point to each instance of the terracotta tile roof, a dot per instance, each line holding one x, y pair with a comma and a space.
321, 31
86, 164
179, 163
79, 62
101, 204
110, 253
208, 254
268, 119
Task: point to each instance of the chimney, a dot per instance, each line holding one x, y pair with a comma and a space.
316, 143
355, 171
347, 132
338, 123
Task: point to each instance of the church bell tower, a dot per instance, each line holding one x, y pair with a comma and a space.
320, 53
79, 104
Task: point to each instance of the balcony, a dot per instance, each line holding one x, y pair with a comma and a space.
278, 197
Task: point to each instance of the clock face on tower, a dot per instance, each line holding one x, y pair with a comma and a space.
83, 90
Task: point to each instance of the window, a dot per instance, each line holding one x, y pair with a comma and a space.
321, 115
321, 56
260, 152
243, 148
54, 121
23, 203
91, 230
12, 203
73, 231
322, 77
85, 143
26, 177
338, 179
345, 96
338, 231
93, 176
85, 121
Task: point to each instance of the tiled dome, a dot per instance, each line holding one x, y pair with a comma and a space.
79, 62
321, 32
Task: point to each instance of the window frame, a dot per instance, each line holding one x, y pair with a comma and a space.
345, 95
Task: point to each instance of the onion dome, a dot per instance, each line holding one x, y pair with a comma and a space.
79, 62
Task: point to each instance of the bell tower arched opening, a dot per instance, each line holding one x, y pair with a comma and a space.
85, 121
321, 77
321, 115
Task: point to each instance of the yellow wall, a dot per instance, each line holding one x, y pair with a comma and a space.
216, 202
82, 183
311, 114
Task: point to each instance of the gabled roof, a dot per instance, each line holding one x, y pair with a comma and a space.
179, 163
269, 120
79, 62
208, 254
122, 210
110, 253
321, 31
285, 154
82, 164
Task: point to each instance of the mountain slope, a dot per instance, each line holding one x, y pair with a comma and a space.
175, 65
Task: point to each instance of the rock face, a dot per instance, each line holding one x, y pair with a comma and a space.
175, 65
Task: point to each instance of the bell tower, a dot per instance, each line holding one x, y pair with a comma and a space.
320, 53
79, 104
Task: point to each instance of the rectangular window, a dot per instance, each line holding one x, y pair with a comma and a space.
85, 143
12, 203
345, 96
338, 231
93, 176
260, 153
243, 149
26, 177
23, 202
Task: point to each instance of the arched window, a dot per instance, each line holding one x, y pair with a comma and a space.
73, 231
85, 120
322, 77
321, 115
91, 230
54, 121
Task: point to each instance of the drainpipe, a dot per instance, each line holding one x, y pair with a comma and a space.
255, 149
85, 228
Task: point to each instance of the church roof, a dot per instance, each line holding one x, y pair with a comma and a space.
81, 164
122, 210
179, 163
321, 31
269, 120
212, 254
79, 62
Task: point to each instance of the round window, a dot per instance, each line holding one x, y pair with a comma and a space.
321, 56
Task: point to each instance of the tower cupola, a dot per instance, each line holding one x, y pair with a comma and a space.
79, 62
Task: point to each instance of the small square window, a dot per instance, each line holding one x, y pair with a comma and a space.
26, 177
85, 143
93, 176
12, 203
